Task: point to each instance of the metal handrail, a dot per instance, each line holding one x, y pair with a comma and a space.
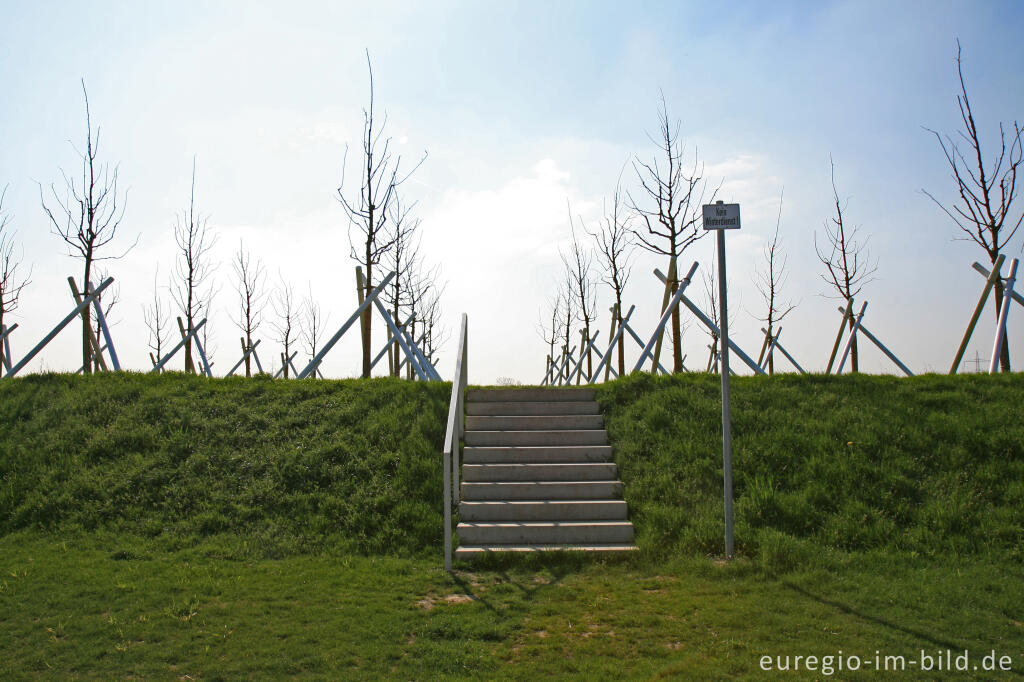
453, 435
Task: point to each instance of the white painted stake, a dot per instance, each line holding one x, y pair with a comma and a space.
56, 330
1004, 314
784, 351
5, 334
649, 348
106, 331
247, 353
178, 346
715, 330
400, 337
578, 368
853, 335
315, 362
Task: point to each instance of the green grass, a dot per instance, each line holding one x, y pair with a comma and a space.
929, 466
164, 527
272, 467
95, 607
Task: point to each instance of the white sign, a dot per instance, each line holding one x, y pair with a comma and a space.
719, 216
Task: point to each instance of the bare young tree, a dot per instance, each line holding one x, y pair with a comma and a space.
314, 321
615, 244
435, 333
11, 282
710, 278
251, 278
287, 319
983, 210
192, 268
670, 209
847, 261
578, 264
549, 334
422, 290
769, 283
155, 317
402, 259
569, 311
208, 340
87, 217
368, 210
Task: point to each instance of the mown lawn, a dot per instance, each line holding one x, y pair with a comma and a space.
95, 607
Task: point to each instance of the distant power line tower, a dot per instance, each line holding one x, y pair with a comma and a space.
977, 362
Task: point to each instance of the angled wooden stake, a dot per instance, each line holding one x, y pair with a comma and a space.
97, 350
1004, 314
852, 336
363, 305
990, 280
245, 354
106, 331
672, 275
5, 334
847, 314
611, 334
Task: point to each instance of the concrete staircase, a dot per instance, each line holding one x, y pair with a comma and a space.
538, 475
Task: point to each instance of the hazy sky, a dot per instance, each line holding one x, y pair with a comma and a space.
523, 107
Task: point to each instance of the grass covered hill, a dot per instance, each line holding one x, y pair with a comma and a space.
927, 466
272, 467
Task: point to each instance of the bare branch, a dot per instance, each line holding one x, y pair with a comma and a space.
87, 218
369, 210
11, 282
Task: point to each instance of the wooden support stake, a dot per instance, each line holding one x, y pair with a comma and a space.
611, 334
853, 337
1004, 314
102, 319
5, 334
93, 341
178, 346
990, 281
847, 314
764, 347
363, 305
672, 275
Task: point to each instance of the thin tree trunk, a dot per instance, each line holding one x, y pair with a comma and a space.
366, 322
86, 324
854, 365
677, 335
1004, 352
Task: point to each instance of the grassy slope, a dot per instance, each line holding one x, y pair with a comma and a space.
927, 466
255, 465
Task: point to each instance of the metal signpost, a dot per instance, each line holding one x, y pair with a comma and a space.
721, 217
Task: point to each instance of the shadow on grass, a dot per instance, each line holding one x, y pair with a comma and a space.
521, 570
844, 608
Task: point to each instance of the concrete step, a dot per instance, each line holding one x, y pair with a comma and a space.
540, 472
544, 510
520, 408
466, 552
528, 394
561, 437
545, 532
573, 422
537, 454
541, 490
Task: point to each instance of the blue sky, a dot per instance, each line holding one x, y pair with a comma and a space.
522, 107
